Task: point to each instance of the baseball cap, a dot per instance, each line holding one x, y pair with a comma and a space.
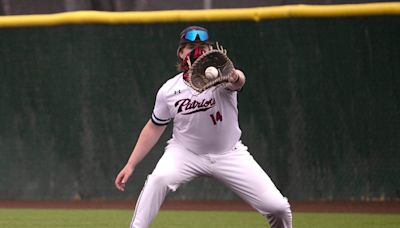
194, 34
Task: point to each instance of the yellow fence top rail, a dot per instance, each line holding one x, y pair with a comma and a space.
246, 14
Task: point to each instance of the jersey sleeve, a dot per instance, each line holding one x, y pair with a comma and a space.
161, 114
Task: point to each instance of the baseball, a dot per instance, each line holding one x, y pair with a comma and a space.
211, 72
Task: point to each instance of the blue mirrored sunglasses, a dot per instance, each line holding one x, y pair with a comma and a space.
193, 34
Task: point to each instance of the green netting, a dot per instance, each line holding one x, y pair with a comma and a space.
320, 110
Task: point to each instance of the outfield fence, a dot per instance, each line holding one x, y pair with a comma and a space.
320, 111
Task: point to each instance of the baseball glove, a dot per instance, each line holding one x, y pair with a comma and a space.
216, 58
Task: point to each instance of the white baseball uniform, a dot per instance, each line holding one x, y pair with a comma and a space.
206, 141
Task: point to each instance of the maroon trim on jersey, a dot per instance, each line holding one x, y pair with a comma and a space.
158, 121
158, 124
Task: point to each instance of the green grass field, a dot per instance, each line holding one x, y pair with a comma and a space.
89, 218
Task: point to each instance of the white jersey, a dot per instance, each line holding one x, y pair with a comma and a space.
204, 122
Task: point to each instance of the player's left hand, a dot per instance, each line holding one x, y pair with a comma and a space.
234, 77
236, 80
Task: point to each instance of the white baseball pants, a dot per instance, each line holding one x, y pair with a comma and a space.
236, 169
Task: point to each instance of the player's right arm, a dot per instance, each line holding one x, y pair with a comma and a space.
149, 136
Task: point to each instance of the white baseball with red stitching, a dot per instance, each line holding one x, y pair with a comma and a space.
211, 72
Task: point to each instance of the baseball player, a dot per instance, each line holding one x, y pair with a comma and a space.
205, 141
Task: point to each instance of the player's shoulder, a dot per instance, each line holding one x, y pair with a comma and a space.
174, 80
172, 83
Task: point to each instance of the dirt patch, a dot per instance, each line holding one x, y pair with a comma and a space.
315, 206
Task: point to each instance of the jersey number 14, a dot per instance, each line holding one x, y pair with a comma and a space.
215, 118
